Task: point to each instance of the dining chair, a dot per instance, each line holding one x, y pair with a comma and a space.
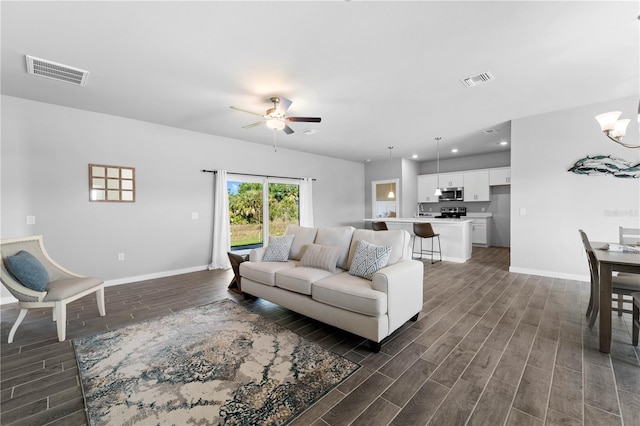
424, 230
379, 226
60, 286
620, 285
629, 235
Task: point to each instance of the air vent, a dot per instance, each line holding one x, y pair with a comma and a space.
489, 131
308, 131
55, 71
476, 80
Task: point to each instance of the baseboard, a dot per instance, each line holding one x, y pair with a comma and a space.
551, 274
10, 299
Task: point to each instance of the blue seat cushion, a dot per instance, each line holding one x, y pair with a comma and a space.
28, 270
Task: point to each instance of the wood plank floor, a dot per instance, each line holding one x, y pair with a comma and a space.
490, 348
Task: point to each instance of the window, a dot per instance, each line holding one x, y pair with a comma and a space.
259, 207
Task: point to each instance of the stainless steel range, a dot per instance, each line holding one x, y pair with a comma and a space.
452, 212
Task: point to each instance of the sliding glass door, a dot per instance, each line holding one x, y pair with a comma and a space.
259, 207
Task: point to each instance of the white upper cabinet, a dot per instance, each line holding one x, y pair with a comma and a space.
427, 185
500, 176
476, 186
451, 180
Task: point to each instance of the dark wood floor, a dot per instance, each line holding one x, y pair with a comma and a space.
490, 348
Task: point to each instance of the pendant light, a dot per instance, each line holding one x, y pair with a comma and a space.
391, 194
438, 192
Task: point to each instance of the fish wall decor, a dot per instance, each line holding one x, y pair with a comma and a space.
606, 165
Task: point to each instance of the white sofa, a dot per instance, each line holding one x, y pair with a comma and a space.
372, 308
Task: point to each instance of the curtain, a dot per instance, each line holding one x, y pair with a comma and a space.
306, 202
221, 232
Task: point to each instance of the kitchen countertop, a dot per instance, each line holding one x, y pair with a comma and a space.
419, 219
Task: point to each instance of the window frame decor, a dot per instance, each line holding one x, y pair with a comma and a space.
112, 184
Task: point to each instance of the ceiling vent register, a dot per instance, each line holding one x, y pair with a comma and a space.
56, 71
476, 80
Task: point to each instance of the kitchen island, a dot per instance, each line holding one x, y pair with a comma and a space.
455, 234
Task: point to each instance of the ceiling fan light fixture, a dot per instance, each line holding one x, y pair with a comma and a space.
275, 124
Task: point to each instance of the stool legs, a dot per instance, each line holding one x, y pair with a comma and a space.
431, 252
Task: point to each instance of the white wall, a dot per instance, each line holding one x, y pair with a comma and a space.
409, 199
46, 150
545, 241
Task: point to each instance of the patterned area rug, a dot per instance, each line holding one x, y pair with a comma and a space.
215, 364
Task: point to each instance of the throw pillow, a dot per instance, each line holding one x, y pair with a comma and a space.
369, 258
320, 257
278, 249
28, 270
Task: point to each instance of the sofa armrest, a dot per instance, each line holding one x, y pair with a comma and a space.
402, 282
256, 255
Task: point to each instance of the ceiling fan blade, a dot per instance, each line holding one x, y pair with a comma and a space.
304, 119
288, 130
244, 110
283, 106
248, 126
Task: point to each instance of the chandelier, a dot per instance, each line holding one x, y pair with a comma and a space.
615, 129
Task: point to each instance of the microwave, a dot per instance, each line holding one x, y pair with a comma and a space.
451, 194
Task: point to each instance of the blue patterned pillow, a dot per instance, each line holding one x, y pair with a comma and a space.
369, 258
278, 249
28, 270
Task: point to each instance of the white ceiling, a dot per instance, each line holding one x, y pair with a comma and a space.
378, 73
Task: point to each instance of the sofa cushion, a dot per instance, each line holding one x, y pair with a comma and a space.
320, 257
398, 239
337, 236
278, 249
302, 237
368, 259
351, 293
300, 279
27, 269
264, 272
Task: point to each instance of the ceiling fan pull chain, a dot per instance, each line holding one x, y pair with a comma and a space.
275, 148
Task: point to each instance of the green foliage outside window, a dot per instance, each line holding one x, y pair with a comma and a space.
245, 211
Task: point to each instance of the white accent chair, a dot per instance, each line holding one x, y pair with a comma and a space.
64, 286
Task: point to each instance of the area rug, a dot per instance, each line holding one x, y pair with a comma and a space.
218, 364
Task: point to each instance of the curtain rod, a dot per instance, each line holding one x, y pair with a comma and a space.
250, 174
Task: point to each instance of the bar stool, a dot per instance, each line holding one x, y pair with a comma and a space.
379, 226
424, 230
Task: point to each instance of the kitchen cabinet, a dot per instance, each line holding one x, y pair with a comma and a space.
476, 186
479, 231
500, 176
427, 185
451, 180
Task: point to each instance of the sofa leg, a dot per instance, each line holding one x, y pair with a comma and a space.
248, 296
375, 346
415, 317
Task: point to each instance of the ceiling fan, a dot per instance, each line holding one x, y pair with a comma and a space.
275, 117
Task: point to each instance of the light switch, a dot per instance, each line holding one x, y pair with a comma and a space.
523, 211
195, 216
31, 220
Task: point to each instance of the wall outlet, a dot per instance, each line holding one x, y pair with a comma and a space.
195, 216
31, 220
483, 210
120, 256
523, 211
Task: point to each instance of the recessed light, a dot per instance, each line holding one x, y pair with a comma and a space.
489, 131
368, 160
504, 143
414, 156
454, 150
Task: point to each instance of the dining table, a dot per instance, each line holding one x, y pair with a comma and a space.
610, 262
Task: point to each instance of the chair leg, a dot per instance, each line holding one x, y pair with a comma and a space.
620, 305
595, 308
21, 315
590, 305
100, 298
636, 322
61, 320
